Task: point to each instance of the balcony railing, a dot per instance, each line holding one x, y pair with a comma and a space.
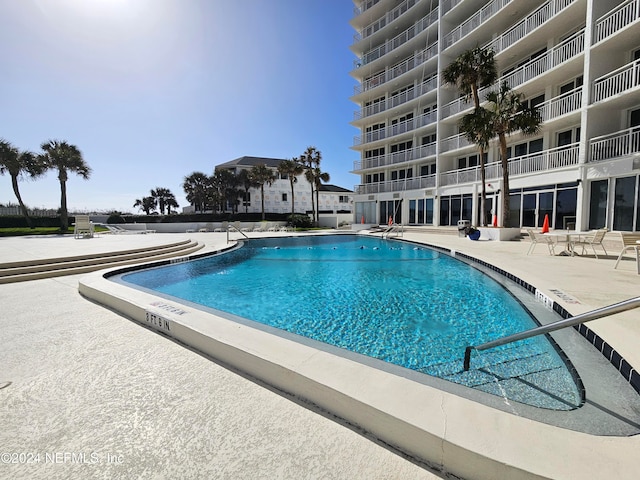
528, 24
417, 183
555, 158
454, 142
449, 4
621, 16
561, 105
477, 19
384, 20
613, 145
428, 85
397, 128
400, 69
394, 158
399, 40
562, 52
620, 80
364, 6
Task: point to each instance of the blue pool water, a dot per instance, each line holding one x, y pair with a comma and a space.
398, 302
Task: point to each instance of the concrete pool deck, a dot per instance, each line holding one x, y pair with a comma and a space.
85, 380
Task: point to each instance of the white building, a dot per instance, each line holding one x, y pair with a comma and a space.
277, 196
577, 60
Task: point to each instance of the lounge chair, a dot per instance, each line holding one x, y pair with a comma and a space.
222, 228
117, 230
540, 238
83, 227
260, 227
591, 241
630, 242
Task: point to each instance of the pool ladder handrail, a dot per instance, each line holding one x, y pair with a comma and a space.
393, 228
567, 322
230, 226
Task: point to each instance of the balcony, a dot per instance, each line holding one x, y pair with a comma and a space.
428, 181
454, 142
481, 16
621, 16
399, 40
394, 158
561, 53
363, 7
396, 129
528, 24
614, 145
394, 72
384, 20
428, 85
555, 158
449, 4
617, 82
561, 105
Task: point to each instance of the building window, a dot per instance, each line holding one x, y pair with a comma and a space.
343, 199
284, 197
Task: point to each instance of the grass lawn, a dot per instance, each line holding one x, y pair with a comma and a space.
16, 232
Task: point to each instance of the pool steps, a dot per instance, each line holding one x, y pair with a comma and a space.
54, 267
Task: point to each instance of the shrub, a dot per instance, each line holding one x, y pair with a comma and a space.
299, 221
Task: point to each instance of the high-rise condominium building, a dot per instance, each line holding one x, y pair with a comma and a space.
578, 61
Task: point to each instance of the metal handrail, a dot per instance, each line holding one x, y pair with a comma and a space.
229, 227
567, 322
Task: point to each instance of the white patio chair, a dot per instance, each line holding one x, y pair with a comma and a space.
540, 238
592, 241
83, 227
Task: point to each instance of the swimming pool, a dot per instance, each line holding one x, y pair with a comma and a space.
398, 302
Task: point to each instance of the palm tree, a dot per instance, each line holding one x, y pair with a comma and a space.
63, 157
224, 184
476, 127
165, 199
291, 168
311, 158
507, 114
246, 182
261, 174
317, 177
472, 70
146, 204
17, 164
196, 188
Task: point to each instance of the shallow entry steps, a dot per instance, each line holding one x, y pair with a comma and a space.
43, 268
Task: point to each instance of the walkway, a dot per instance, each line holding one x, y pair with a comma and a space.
98, 396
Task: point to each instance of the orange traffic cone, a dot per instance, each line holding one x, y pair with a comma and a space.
390, 221
495, 220
545, 225
362, 220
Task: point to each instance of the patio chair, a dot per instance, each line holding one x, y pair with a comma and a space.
540, 238
83, 227
630, 242
591, 241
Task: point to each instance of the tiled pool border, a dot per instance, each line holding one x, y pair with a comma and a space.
618, 362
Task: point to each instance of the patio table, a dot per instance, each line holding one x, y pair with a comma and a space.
568, 238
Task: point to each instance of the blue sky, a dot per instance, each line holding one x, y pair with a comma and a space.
153, 90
